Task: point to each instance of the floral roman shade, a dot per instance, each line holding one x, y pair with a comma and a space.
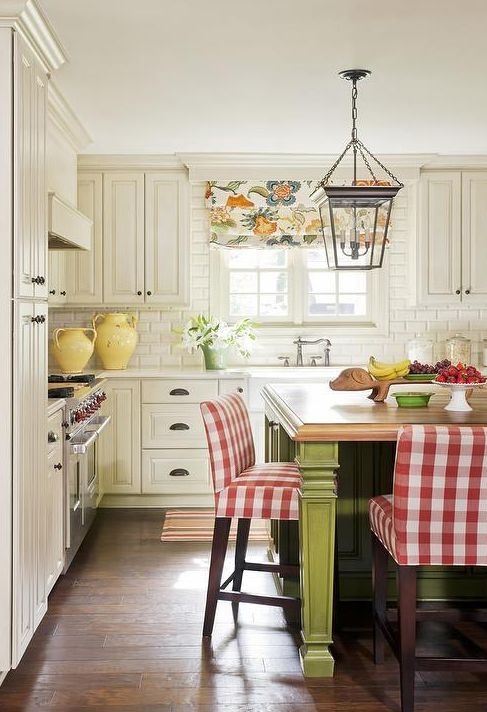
263, 214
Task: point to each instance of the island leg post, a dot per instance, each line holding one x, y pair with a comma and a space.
318, 463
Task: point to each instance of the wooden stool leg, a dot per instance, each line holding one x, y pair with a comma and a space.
407, 634
379, 589
243, 530
218, 551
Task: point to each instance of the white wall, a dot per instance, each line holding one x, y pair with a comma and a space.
158, 345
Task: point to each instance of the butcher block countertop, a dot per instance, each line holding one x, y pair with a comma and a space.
315, 413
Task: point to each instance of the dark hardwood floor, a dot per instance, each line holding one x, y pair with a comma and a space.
123, 632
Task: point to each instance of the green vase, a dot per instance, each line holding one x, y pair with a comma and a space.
215, 359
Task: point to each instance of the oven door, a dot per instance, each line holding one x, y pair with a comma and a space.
83, 483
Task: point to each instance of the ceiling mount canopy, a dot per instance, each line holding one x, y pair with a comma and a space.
355, 218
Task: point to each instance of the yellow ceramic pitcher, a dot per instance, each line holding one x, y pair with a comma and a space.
72, 348
116, 338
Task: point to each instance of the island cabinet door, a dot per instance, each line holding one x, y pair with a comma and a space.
474, 244
118, 450
167, 238
440, 248
123, 238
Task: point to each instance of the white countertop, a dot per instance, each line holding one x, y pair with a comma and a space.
54, 404
273, 372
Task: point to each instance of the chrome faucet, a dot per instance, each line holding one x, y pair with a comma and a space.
303, 342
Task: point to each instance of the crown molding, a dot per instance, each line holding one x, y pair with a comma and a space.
63, 117
27, 18
122, 162
227, 166
461, 161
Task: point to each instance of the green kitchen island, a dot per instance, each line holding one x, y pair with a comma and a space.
327, 432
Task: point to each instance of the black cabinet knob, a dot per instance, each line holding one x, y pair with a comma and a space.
239, 389
139, 293
457, 291
149, 293
53, 291
58, 466
63, 293
467, 291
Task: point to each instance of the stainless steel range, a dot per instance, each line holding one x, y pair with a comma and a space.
83, 424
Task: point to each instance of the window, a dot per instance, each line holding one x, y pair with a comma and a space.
289, 287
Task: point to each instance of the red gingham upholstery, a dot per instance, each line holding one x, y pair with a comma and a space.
243, 489
438, 512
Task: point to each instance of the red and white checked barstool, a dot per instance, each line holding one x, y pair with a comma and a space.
245, 491
436, 516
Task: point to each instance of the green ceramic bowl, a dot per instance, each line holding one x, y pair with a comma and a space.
411, 399
421, 377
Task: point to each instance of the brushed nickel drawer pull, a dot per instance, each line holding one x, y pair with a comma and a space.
179, 392
179, 426
179, 472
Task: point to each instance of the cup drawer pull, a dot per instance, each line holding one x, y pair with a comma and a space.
179, 472
179, 426
179, 392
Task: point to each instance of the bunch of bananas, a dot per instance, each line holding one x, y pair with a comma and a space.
388, 371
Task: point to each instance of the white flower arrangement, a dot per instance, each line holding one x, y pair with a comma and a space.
201, 331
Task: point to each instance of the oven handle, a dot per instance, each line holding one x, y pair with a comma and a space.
80, 444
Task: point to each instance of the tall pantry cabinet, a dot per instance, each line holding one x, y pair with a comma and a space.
29, 50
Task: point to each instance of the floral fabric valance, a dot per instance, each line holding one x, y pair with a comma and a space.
263, 214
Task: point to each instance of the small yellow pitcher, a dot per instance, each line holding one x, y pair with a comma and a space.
116, 338
72, 348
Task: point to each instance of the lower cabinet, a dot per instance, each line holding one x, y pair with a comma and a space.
54, 497
156, 444
119, 452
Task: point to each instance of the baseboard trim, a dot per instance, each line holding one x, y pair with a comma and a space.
111, 501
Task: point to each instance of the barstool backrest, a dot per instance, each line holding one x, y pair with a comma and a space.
440, 495
229, 437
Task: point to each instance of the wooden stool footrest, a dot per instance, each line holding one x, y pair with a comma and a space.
287, 602
283, 569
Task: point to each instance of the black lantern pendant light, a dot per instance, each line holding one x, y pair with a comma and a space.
355, 218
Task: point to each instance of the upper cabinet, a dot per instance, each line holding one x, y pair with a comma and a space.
167, 244
84, 269
141, 239
451, 248
30, 106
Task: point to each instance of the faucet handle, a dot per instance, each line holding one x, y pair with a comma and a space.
285, 359
314, 359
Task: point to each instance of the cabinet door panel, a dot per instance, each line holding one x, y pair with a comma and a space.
39, 182
167, 249
439, 251
233, 385
23, 165
123, 238
84, 269
474, 247
55, 505
23, 482
57, 278
119, 446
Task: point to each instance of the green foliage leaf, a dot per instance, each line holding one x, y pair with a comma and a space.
260, 190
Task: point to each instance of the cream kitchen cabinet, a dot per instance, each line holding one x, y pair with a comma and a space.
30, 194
141, 241
57, 277
123, 238
451, 250
54, 500
29, 593
119, 452
84, 270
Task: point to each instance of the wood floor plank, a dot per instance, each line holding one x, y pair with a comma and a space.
123, 632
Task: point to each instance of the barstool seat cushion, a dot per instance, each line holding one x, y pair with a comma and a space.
268, 491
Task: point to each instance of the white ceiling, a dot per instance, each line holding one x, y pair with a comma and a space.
164, 76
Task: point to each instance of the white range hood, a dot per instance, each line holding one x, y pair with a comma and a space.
68, 229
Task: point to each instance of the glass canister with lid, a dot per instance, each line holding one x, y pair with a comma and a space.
420, 349
459, 349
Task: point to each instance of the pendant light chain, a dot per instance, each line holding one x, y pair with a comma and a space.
358, 147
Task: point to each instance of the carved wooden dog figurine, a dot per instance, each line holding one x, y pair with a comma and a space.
358, 379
